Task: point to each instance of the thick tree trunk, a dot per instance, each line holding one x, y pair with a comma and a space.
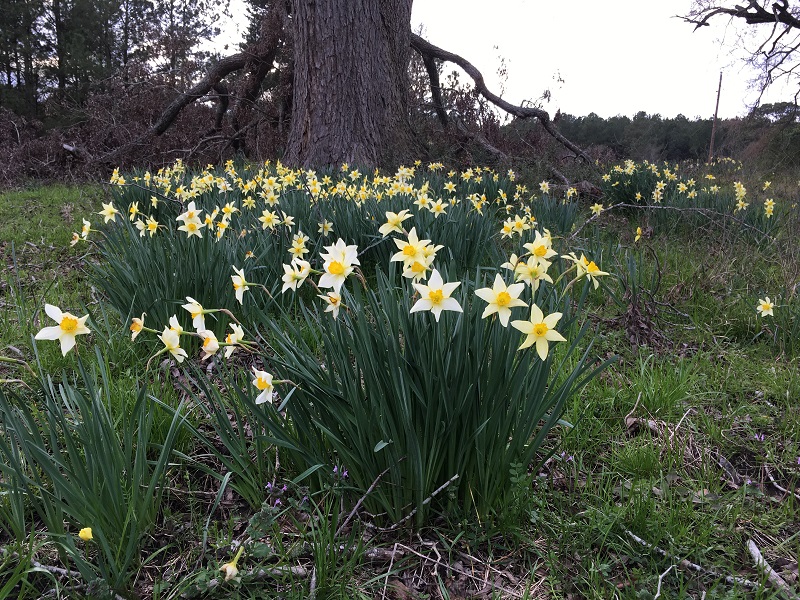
350, 100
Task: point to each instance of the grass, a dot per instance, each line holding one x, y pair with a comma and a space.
686, 441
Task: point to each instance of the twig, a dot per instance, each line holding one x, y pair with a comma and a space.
388, 572
777, 486
730, 579
776, 580
448, 567
660, 580
360, 502
424, 502
633, 410
312, 587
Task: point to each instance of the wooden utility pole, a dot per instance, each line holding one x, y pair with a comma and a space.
714, 123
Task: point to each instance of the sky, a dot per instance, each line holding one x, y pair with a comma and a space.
610, 57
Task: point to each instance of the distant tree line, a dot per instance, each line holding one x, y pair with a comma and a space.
60, 51
770, 135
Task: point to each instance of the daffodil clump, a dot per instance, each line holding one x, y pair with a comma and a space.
706, 191
271, 265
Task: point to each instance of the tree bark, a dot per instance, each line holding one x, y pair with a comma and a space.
350, 101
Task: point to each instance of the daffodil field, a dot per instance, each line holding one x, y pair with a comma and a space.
425, 383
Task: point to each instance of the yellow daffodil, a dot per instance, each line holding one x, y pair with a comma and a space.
68, 327
240, 284
325, 228
192, 227
541, 247
533, 271
230, 569
192, 213
339, 260
638, 234
394, 222
263, 382
501, 299
765, 307
295, 274
597, 208
540, 330
210, 343
136, 326
333, 301
232, 339
108, 212
435, 296
172, 343
544, 187
197, 312
85, 534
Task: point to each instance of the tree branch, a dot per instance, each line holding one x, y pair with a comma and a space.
428, 51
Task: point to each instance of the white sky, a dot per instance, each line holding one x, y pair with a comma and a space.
615, 57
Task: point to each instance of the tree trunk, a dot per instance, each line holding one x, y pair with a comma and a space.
350, 98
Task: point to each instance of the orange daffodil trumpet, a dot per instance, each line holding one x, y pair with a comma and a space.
68, 327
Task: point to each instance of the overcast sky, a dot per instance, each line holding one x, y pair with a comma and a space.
613, 56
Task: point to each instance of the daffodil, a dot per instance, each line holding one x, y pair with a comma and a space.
197, 312
394, 222
339, 261
765, 307
638, 234
85, 534
410, 250
544, 187
295, 274
501, 299
210, 343
108, 212
533, 271
232, 339
333, 301
597, 208
240, 284
68, 327
137, 324
263, 382
540, 330
435, 296
172, 343
541, 247
230, 569
192, 213
192, 227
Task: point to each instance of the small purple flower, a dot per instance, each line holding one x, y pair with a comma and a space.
269, 487
759, 437
335, 470
278, 502
567, 458
284, 488
344, 475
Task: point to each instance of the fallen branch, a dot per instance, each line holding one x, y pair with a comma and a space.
773, 577
690, 566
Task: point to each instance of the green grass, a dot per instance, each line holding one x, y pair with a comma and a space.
683, 442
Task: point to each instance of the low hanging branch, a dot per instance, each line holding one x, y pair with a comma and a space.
428, 52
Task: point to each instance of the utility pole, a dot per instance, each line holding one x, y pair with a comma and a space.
714, 123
